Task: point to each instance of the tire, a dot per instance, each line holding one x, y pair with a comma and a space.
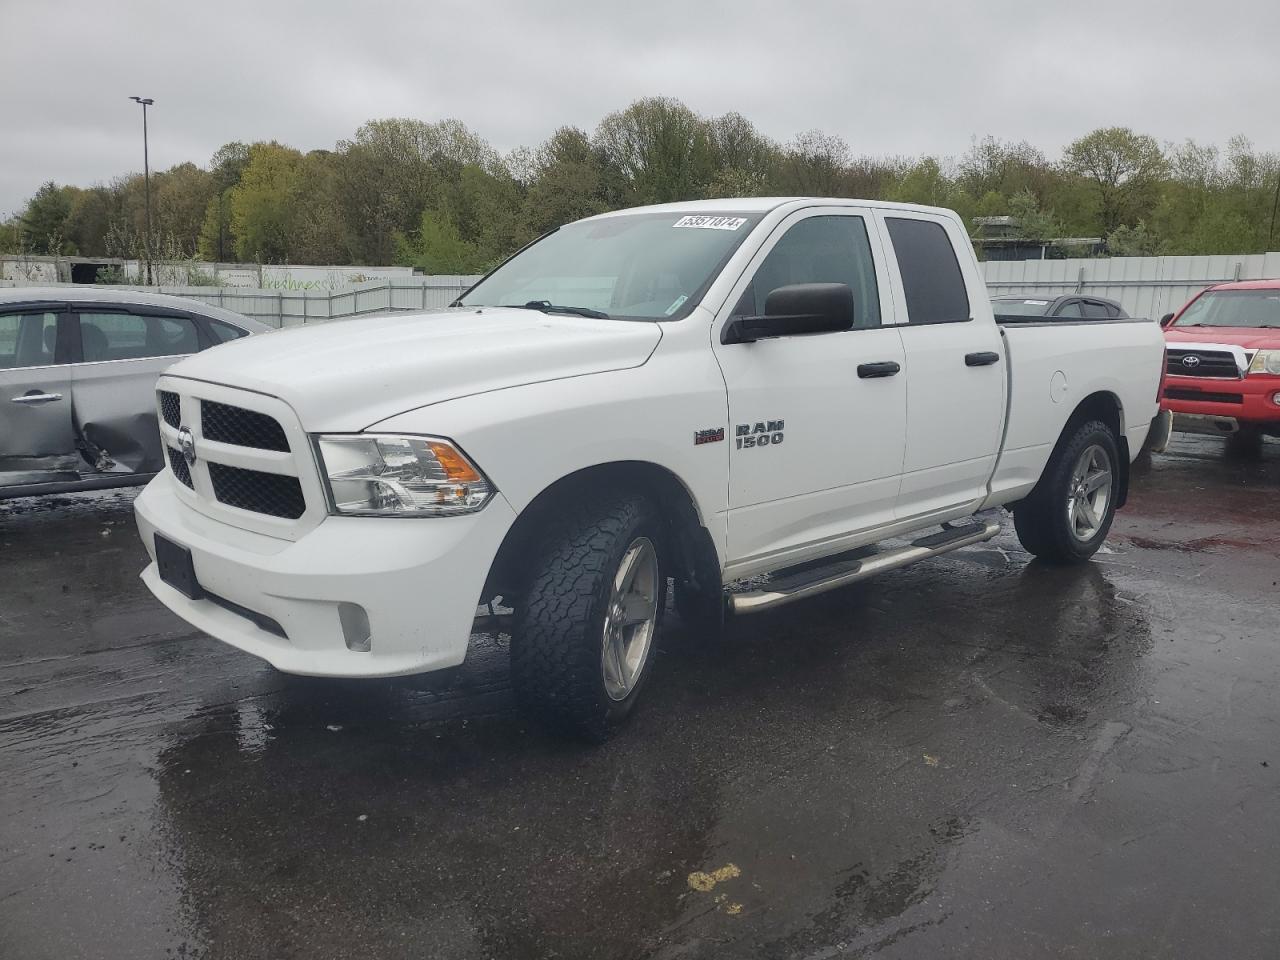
574, 661
1051, 523
1245, 443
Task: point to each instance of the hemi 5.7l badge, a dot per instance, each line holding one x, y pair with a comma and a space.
708, 436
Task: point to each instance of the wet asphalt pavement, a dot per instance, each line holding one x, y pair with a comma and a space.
974, 757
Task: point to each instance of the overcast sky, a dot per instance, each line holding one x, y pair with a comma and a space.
890, 77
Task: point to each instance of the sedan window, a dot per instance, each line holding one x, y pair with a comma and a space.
127, 336
225, 332
27, 340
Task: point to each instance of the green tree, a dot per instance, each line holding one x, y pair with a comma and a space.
568, 180
745, 162
264, 203
180, 197
661, 148
1033, 222
814, 164
437, 247
89, 219
44, 224
1123, 170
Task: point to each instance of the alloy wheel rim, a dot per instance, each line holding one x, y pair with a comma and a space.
631, 619
1089, 493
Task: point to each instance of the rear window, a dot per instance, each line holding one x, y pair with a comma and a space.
223, 332
931, 278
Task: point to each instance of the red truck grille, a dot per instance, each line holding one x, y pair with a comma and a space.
1185, 362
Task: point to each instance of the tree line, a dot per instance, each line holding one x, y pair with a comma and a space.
437, 196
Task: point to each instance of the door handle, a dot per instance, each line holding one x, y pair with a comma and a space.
870, 371
36, 398
983, 358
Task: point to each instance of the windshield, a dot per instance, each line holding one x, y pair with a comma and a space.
642, 266
1233, 308
1020, 308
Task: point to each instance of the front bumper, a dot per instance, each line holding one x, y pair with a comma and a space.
418, 579
1251, 401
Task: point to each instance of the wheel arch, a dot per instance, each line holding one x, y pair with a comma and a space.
1106, 406
691, 552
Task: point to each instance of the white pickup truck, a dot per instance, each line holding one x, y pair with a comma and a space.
698, 392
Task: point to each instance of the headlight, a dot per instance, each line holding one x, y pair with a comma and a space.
384, 475
1266, 361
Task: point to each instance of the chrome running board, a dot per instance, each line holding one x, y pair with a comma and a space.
809, 583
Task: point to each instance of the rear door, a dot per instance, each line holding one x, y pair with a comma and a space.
122, 352
955, 365
816, 422
37, 439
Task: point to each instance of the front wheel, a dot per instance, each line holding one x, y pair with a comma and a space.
1068, 514
584, 634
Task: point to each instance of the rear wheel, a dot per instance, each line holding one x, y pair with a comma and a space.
1069, 513
584, 635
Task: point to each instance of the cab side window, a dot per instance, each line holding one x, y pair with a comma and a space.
826, 249
1070, 309
27, 340
128, 336
931, 279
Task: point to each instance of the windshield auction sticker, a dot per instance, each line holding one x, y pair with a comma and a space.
711, 223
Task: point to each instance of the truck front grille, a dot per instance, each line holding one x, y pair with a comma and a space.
1204, 363
271, 493
240, 427
179, 467
170, 407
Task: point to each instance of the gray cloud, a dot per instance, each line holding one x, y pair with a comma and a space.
900, 78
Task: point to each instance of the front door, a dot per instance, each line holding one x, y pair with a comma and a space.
37, 441
816, 422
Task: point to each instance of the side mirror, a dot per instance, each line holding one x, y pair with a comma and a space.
793, 310
1166, 319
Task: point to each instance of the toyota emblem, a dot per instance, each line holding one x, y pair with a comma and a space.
187, 444
1191, 360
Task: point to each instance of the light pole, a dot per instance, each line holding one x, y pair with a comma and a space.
145, 102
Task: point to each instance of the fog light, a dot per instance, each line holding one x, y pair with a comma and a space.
1275, 398
355, 626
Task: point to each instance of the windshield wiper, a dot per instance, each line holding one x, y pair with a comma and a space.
546, 306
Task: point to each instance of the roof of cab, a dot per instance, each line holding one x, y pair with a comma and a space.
728, 205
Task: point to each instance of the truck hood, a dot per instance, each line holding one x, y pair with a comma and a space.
1251, 338
346, 375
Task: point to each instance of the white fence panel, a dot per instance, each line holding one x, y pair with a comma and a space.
1146, 286
291, 308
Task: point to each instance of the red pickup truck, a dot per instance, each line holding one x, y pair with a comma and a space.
1224, 362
